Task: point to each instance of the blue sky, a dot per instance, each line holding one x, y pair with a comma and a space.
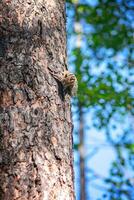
99, 155
96, 143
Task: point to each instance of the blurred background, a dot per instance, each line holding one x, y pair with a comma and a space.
100, 44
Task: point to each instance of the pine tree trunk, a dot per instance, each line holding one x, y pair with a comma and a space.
82, 155
35, 121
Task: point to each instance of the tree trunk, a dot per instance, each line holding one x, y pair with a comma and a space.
35, 120
82, 155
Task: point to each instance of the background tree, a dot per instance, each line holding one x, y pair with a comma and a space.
35, 121
101, 54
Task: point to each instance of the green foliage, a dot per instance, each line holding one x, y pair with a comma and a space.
106, 44
102, 54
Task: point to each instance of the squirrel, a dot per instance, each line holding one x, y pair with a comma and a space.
68, 80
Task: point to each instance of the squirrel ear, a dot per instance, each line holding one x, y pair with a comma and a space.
65, 75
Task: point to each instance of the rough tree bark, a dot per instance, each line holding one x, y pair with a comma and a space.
35, 121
